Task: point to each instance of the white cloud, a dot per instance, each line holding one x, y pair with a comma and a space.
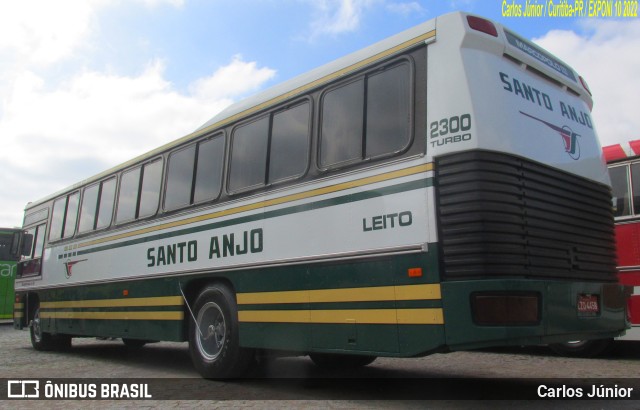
334, 17
608, 59
53, 138
156, 3
56, 133
43, 32
223, 82
406, 9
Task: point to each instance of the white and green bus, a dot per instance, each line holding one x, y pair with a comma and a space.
440, 190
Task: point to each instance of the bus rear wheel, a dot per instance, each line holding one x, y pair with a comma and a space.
582, 348
44, 341
214, 343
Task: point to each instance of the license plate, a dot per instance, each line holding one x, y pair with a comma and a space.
588, 305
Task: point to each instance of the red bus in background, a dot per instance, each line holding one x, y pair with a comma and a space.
623, 161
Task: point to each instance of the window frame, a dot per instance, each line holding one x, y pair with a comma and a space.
194, 176
223, 162
31, 265
633, 205
96, 213
141, 166
364, 75
269, 114
63, 226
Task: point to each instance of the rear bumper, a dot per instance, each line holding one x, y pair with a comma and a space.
558, 319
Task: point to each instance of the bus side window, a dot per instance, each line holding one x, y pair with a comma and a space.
72, 215
150, 191
341, 137
180, 178
620, 187
57, 219
65, 216
194, 173
208, 181
97, 206
88, 208
139, 198
368, 118
105, 205
128, 195
249, 155
289, 150
388, 111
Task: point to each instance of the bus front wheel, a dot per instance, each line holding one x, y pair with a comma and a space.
44, 341
214, 337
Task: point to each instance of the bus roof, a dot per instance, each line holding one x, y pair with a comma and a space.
624, 150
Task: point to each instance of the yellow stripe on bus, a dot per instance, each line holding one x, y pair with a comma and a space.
381, 293
271, 202
421, 316
114, 315
133, 302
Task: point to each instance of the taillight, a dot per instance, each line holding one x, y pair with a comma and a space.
482, 25
585, 85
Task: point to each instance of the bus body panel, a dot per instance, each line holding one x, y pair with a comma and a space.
342, 217
511, 106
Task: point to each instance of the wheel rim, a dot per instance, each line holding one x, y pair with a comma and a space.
35, 325
211, 330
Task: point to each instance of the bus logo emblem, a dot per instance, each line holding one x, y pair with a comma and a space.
569, 138
69, 266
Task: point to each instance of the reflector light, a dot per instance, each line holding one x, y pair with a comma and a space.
125, 292
482, 25
415, 272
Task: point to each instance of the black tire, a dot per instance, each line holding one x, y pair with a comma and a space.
134, 343
44, 341
582, 348
341, 361
216, 353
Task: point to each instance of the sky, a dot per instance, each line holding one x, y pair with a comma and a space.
88, 84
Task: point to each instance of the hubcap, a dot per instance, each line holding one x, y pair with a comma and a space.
37, 330
212, 331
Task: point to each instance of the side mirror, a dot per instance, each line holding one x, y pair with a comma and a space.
27, 243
